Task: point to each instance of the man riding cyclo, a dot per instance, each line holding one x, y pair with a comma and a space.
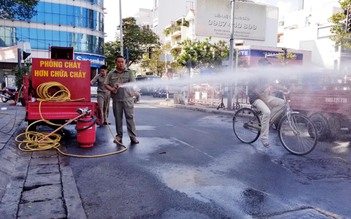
260, 93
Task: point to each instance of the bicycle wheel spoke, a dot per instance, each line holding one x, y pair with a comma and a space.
246, 125
297, 134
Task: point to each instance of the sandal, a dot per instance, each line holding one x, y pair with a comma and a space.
265, 143
117, 140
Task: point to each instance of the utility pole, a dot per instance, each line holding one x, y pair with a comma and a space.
120, 27
231, 50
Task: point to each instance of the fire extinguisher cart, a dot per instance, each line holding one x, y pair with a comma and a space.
73, 75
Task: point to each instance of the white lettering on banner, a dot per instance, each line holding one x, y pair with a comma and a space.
92, 60
213, 18
218, 23
335, 100
244, 53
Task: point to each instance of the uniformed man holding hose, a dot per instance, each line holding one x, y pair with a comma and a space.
122, 98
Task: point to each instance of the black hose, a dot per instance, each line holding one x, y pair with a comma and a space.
91, 125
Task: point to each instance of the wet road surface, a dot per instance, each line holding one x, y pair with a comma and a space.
189, 165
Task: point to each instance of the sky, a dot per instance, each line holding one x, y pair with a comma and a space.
131, 7
283, 5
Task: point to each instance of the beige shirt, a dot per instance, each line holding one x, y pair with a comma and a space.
125, 92
100, 80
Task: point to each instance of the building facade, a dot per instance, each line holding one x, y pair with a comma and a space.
309, 29
166, 12
61, 23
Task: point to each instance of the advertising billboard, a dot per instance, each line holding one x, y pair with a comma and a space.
95, 61
213, 18
256, 57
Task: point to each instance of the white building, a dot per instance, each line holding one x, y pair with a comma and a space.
167, 11
309, 29
144, 17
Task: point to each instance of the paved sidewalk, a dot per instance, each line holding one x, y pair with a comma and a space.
33, 184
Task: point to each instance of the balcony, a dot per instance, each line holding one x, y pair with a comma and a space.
176, 28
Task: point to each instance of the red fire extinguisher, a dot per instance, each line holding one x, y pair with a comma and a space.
86, 131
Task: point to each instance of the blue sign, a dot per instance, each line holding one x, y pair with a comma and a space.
95, 61
263, 53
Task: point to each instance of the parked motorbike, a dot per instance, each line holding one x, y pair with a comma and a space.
8, 94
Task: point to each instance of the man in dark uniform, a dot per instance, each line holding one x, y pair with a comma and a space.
103, 95
122, 98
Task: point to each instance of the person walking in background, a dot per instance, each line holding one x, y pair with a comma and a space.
103, 95
122, 98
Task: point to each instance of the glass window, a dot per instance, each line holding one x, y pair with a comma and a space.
34, 44
63, 9
33, 34
52, 13
70, 20
41, 34
7, 36
70, 10
55, 18
48, 18
63, 19
48, 7
43, 39
40, 7
23, 34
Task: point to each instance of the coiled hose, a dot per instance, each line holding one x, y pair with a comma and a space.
30, 141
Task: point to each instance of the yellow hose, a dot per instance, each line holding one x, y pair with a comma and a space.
36, 141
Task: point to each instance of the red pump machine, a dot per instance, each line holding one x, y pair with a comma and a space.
73, 75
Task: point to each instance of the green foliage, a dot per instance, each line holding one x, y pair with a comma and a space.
285, 60
18, 9
137, 39
200, 53
153, 63
167, 31
19, 73
340, 37
176, 26
111, 49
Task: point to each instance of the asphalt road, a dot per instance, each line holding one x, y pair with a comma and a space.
190, 165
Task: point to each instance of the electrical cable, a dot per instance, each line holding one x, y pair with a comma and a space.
30, 141
13, 123
14, 120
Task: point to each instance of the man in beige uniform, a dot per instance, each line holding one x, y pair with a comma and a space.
122, 99
103, 95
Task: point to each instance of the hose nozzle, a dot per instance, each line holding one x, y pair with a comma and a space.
84, 111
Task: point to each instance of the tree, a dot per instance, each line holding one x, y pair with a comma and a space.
136, 39
18, 9
111, 50
341, 37
200, 53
